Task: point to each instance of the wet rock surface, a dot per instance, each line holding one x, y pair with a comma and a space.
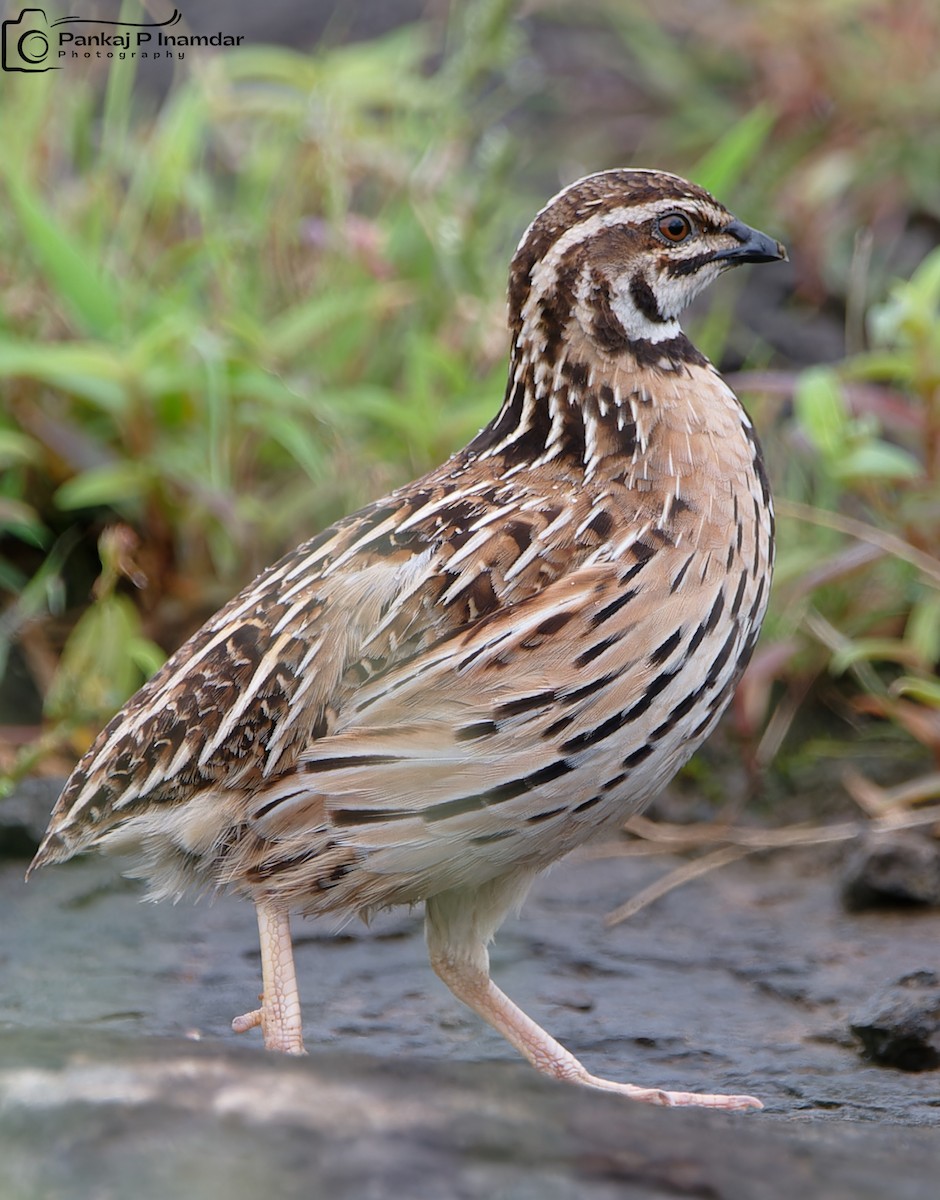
105, 1116
901, 1026
747, 981
891, 870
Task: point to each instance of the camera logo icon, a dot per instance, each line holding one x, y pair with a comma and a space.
26, 42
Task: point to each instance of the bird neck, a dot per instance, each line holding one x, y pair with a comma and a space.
582, 405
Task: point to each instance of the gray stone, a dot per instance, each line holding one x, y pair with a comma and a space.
91, 1114
24, 815
892, 869
900, 1027
744, 981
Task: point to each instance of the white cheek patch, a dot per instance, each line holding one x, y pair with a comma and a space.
637, 326
676, 292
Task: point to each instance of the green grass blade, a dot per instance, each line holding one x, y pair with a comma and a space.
723, 167
91, 296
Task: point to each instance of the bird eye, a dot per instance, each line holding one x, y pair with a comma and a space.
674, 227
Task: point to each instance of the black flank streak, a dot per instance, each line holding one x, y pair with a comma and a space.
316, 765
696, 640
596, 651
515, 708
552, 624
638, 756
682, 709
661, 653
545, 816
558, 726
713, 617
544, 629
586, 804
755, 607
272, 804
680, 575
589, 689
657, 685
592, 736
720, 659
470, 733
759, 469
243, 640
634, 570
739, 594
320, 726
484, 839
453, 808
611, 610
701, 727
547, 774
414, 539
498, 795
471, 657
369, 816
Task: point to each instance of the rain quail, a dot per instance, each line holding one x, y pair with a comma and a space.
441, 694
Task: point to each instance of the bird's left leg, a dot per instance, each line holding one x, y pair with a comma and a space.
279, 1014
458, 925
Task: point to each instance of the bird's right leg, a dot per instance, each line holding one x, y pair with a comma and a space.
279, 1015
458, 924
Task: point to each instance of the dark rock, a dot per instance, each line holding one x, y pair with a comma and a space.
24, 815
734, 983
900, 1027
898, 869
92, 1114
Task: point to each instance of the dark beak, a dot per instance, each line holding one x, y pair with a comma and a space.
753, 246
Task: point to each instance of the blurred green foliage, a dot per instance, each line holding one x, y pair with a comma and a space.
231, 316
858, 580
231, 322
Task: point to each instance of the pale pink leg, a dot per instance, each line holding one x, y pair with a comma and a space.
279, 1014
457, 949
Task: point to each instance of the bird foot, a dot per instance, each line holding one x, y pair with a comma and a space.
249, 1020
668, 1099
278, 1035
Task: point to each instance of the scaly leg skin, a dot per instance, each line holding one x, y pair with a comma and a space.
279, 1014
457, 929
